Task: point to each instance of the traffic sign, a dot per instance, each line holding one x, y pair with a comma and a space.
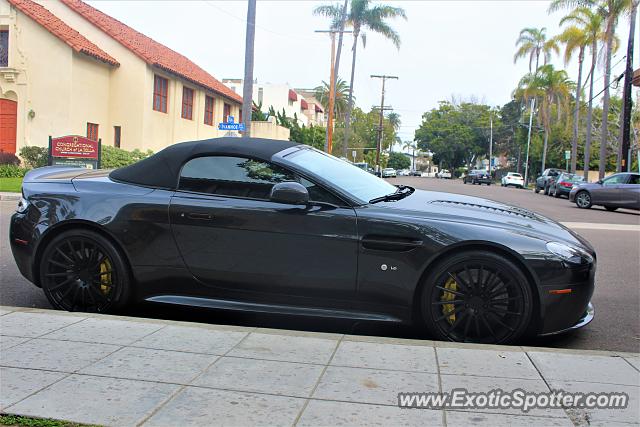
231, 126
567, 154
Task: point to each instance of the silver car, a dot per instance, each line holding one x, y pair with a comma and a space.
620, 190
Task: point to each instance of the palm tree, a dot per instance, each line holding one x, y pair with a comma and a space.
362, 15
549, 86
533, 42
610, 10
574, 39
394, 119
592, 24
340, 102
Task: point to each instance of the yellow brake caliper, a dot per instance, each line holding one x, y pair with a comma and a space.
448, 296
105, 276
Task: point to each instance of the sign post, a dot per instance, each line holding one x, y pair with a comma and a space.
74, 150
567, 157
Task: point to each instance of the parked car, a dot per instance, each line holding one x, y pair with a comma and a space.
443, 174
562, 184
544, 180
416, 173
620, 190
477, 176
190, 235
404, 172
389, 173
512, 178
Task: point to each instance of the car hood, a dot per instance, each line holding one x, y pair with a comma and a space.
482, 212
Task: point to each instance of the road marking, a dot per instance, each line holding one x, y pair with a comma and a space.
602, 226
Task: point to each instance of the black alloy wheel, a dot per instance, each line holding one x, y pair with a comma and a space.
477, 297
82, 271
583, 199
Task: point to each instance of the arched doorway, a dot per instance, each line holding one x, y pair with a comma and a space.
8, 123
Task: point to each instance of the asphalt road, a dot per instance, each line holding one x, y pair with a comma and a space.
616, 299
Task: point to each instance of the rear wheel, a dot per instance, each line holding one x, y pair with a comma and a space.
477, 297
555, 192
537, 189
583, 200
82, 271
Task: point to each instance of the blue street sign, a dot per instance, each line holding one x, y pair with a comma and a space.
231, 126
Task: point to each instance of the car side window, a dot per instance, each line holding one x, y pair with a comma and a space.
242, 177
614, 179
231, 176
634, 179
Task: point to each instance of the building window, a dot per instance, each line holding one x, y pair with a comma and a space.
187, 103
116, 136
4, 48
226, 112
290, 103
92, 131
208, 110
160, 90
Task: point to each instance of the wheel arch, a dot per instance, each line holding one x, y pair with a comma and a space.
502, 250
74, 224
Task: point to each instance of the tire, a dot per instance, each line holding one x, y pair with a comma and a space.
546, 190
80, 270
536, 189
583, 199
500, 308
611, 208
555, 192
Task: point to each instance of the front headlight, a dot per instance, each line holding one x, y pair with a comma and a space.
570, 254
23, 205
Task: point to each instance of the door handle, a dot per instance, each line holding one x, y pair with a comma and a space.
203, 216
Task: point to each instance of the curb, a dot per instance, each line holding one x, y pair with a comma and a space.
335, 336
10, 197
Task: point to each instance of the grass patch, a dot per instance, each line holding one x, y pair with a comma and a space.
13, 185
18, 421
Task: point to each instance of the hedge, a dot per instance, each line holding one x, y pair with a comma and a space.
12, 171
113, 157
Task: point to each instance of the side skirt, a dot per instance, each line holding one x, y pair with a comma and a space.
270, 308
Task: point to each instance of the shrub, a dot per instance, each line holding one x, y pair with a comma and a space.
8, 159
34, 157
113, 157
398, 161
12, 171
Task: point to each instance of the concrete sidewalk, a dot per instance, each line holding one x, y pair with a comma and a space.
109, 370
6, 196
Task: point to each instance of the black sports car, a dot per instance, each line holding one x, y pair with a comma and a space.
273, 226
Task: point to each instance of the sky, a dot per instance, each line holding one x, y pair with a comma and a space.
449, 48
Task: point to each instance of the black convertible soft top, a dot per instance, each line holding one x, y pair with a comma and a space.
162, 170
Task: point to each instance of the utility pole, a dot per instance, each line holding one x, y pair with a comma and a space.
384, 78
328, 143
526, 164
247, 90
625, 129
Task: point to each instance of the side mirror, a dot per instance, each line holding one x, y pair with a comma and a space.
599, 182
291, 193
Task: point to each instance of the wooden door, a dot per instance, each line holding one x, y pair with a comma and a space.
8, 122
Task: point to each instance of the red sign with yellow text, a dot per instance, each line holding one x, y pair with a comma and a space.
74, 146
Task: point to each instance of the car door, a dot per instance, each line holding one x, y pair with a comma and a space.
238, 243
630, 192
609, 191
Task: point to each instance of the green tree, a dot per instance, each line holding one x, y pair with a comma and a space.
398, 161
533, 42
550, 87
456, 134
362, 15
611, 11
342, 95
590, 28
394, 119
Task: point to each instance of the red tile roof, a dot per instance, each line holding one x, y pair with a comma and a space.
58, 28
150, 51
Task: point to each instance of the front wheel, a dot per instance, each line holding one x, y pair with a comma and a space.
83, 271
479, 297
583, 200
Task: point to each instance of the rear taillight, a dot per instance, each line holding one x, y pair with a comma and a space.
566, 184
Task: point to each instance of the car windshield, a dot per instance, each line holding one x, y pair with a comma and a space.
572, 178
352, 180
